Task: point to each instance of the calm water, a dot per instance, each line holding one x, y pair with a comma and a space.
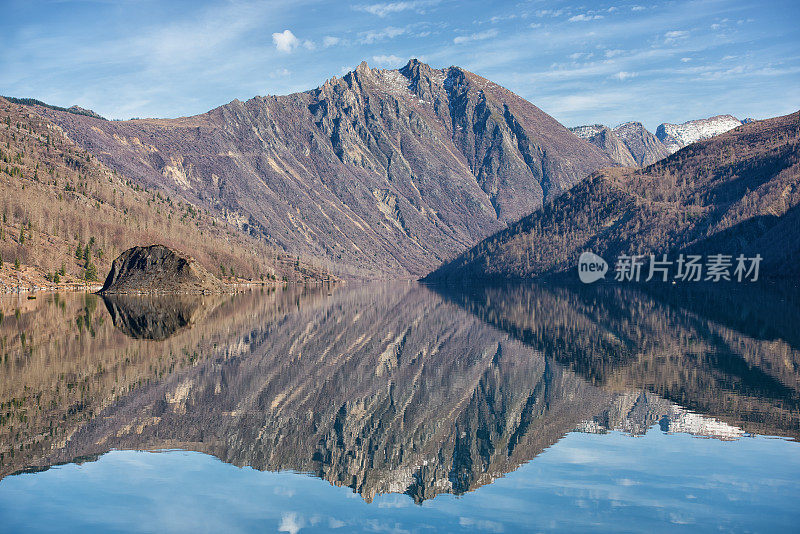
402, 408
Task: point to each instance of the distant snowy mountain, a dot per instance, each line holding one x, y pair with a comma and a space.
630, 144
677, 136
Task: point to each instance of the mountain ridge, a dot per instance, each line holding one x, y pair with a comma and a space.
377, 174
630, 144
734, 193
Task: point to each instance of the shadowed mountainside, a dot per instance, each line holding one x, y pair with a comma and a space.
735, 193
380, 173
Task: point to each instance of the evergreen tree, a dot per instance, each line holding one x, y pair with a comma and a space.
90, 273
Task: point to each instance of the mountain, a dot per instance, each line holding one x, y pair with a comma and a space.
677, 136
645, 147
605, 139
65, 212
734, 193
380, 173
631, 145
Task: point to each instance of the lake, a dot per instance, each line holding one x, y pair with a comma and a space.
400, 407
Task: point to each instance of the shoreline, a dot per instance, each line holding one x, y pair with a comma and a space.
95, 288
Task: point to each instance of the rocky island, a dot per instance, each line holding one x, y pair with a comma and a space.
159, 269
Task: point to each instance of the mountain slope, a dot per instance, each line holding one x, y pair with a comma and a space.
380, 173
55, 197
735, 193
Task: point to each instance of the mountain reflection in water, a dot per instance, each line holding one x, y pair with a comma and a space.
391, 388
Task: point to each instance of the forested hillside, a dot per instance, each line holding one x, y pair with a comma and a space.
735, 193
65, 216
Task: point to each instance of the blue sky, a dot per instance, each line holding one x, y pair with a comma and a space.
584, 62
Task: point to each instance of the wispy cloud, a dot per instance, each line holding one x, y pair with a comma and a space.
549, 13
387, 60
624, 75
387, 8
585, 17
373, 36
675, 35
479, 36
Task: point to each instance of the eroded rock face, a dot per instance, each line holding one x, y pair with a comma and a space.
158, 269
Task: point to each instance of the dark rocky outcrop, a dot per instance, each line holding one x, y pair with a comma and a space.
159, 269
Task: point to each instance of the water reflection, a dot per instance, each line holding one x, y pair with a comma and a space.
157, 317
390, 388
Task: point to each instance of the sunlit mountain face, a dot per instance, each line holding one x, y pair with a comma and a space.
392, 388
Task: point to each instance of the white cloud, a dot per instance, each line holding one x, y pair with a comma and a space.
638, 8
390, 60
387, 8
290, 523
280, 73
685, 59
549, 13
534, 25
584, 17
623, 75
285, 41
389, 32
480, 524
480, 36
335, 523
330, 41
613, 52
674, 35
